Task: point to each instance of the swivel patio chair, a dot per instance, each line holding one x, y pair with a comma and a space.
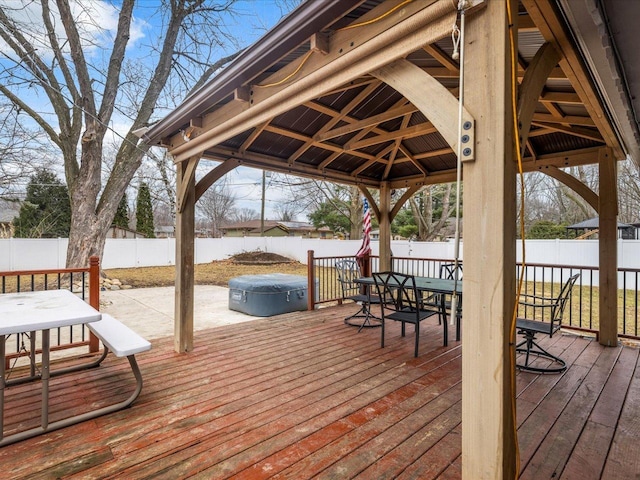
348, 271
398, 294
547, 320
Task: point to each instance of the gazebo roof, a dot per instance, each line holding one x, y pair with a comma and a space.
592, 224
365, 132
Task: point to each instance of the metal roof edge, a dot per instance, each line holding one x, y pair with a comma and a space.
595, 43
294, 29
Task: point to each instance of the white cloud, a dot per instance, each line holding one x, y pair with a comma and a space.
96, 20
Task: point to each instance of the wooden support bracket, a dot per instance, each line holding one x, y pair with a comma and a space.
189, 173
434, 101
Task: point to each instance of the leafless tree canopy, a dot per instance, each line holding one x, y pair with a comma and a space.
70, 74
217, 207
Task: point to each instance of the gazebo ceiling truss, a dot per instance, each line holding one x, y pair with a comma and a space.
329, 108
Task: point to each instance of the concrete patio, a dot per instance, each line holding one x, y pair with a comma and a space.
150, 311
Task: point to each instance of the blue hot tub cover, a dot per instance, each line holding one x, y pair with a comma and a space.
268, 294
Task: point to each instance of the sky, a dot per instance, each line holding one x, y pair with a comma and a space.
99, 17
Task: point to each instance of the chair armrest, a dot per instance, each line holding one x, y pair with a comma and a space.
538, 301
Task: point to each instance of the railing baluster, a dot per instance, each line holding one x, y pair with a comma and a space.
39, 280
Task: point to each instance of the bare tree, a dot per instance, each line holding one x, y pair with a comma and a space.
312, 196
22, 151
432, 209
216, 206
244, 215
57, 51
629, 191
285, 212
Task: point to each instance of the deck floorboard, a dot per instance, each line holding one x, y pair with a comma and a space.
303, 395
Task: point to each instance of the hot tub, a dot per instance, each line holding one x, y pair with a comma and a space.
268, 294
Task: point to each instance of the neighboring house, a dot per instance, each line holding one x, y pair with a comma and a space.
9, 209
166, 231
273, 228
119, 232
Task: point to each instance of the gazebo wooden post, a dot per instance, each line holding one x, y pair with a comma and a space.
185, 249
385, 227
608, 249
488, 434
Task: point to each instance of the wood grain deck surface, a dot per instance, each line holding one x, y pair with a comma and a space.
303, 395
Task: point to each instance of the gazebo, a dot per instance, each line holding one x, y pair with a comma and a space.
586, 227
366, 93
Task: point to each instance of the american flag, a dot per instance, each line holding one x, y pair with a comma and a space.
365, 249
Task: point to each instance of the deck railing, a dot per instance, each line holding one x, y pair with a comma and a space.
78, 280
540, 279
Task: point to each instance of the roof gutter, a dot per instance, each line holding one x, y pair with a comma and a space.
295, 29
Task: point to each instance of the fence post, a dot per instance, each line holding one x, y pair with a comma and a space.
311, 281
94, 296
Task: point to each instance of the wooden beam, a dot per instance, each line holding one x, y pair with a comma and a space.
214, 175
433, 153
254, 135
561, 97
278, 165
185, 251
188, 174
568, 119
367, 122
385, 228
552, 27
379, 158
584, 156
574, 184
425, 128
582, 132
441, 56
336, 118
405, 151
354, 53
320, 43
393, 153
410, 192
608, 250
488, 416
525, 24
434, 100
543, 62
434, 178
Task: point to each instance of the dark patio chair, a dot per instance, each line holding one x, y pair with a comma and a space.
348, 271
547, 320
399, 295
434, 301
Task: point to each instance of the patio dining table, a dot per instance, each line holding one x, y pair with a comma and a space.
441, 286
27, 313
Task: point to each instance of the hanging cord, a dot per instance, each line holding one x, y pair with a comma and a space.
291, 75
378, 18
518, 148
348, 27
457, 35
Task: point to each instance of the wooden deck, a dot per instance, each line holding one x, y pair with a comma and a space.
302, 395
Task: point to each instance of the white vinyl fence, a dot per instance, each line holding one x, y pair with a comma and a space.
37, 254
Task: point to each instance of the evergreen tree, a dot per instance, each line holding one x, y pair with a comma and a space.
122, 214
46, 212
144, 212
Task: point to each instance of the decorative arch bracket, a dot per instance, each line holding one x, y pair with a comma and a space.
434, 101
